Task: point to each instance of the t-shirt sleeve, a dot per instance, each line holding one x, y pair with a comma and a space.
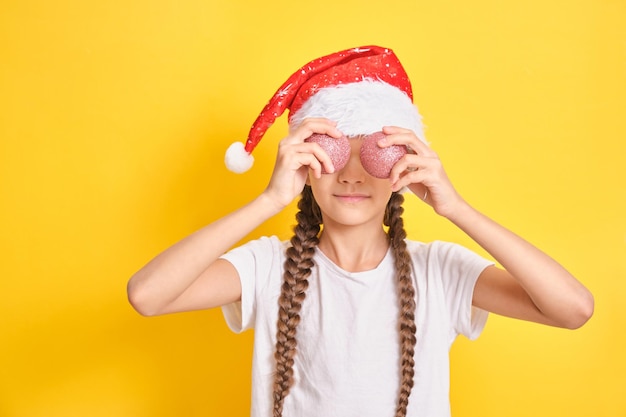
253, 262
460, 270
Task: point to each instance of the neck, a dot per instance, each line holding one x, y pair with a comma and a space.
354, 249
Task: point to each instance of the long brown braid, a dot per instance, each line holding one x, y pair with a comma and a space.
406, 293
298, 265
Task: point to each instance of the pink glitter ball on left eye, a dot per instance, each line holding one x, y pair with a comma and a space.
378, 161
337, 149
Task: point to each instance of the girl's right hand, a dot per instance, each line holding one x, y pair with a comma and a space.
296, 157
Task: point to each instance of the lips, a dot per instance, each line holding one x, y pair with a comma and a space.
352, 197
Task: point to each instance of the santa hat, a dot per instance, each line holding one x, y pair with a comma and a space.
362, 89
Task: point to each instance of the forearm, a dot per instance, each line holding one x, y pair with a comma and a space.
553, 290
191, 264
171, 272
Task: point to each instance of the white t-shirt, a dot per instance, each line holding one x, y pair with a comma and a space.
347, 359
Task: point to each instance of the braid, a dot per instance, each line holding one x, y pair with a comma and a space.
406, 291
297, 271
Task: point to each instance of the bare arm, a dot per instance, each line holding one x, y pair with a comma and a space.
189, 275
532, 286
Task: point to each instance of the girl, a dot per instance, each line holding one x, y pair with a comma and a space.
350, 317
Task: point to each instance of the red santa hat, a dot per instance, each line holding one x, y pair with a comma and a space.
362, 89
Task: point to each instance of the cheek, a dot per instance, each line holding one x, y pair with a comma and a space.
337, 149
378, 161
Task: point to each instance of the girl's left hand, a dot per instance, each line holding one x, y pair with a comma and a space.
421, 171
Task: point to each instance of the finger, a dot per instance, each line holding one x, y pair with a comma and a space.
320, 154
417, 169
298, 160
408, 163
311, 126
313, 164
304, 153
401, 136
392, 130
409, 178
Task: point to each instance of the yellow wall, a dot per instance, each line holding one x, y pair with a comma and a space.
114, 117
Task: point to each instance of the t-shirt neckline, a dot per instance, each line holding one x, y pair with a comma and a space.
385, 264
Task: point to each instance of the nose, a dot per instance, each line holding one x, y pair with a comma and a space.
353, 172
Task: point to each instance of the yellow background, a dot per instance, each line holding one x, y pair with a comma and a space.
114, 118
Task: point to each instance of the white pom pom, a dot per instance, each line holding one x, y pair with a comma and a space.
237, 159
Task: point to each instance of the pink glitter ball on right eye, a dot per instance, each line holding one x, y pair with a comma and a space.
337, 149
378, 161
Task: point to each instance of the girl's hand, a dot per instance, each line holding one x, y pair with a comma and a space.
295, 158
421, 172
532, 286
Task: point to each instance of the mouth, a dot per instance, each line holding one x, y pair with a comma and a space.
351, 197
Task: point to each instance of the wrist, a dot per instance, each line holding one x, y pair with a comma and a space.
269, 203
459, 212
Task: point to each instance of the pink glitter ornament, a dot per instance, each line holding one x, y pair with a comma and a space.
378, 161
337, 149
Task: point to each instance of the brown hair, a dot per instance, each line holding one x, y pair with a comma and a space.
298, 265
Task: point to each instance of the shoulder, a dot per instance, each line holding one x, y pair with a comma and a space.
437, 248
445, 255
262, 245
257, 257
259, 264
